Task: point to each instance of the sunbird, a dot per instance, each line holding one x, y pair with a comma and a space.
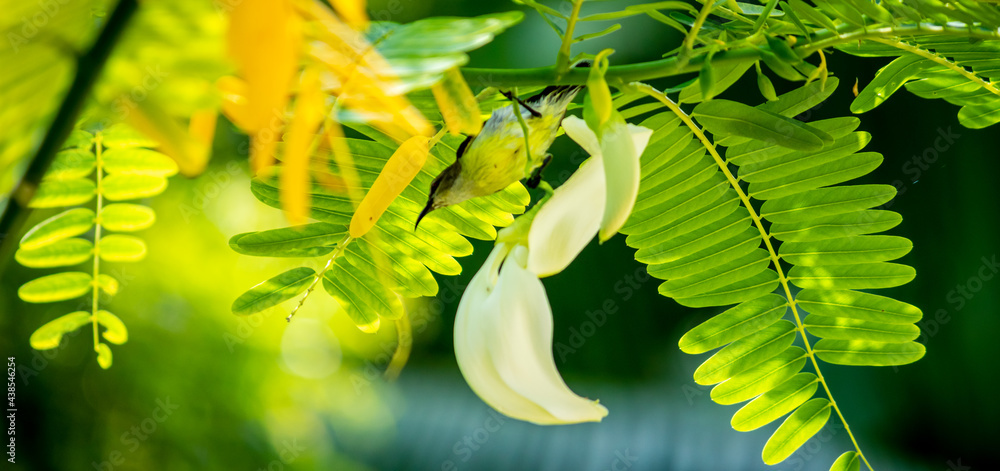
495, 158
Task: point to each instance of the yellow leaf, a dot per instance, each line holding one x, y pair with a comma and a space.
353, 12
234, 100
295, 182
264, 40
397, 174
458, 105
189, 151
361, 78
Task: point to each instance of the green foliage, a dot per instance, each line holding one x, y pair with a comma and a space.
367, 276
108, 165
697, 228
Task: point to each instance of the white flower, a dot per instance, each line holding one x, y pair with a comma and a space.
597, 198
503, 344
503, 329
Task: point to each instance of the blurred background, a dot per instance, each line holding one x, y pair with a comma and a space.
199, 388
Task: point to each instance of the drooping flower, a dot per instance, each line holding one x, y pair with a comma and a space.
597, 199
503, 344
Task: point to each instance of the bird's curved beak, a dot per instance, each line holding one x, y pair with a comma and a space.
430, 207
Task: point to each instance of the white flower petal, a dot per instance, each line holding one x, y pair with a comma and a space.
479, 303
521, 347
621, 146
568, 220
578, 131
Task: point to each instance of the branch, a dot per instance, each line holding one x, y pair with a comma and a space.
88, 69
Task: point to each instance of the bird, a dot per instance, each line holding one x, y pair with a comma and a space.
495, 158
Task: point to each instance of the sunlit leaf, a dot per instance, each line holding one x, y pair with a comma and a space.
867, 352
138, 161
457, 104
397, 174
58, 193
104, 357
746, 353
68, 223
274, 291
761, 378
289, 241
849, 461
71, 164
120, 187
858, 276
858, 305
121, 248
825, 202
50, 334
842, 328
124, 217
796, 430
57, 287
63, 253
726, 117
775, 403
734, 323
362, 297
115, 331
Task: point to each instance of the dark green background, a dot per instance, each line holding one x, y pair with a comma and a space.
239, 408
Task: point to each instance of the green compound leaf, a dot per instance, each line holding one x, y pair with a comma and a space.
730, 118
58, 287
63, 253
796, 430
68, 223
734, 323
849, 461
361, 296
118, 187
104, 357
760, 378
746, 353
860, 276
125, 217
297, 241
274, 291
122, 248
60, 193
846, 251
858, 305
50, 334
138, 161
842, 328
868, 353
115, 331
71, 164
775, 403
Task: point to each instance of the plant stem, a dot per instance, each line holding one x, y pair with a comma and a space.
762, 19
986, 84
734, 183
562, 59
329, 263
88, 68
672, 66
706, 9
98, 150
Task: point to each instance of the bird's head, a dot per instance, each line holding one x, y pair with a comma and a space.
447, 189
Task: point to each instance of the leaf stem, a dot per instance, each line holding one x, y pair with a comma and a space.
88, 68
775, 260
940, 60
699, 21
98, 150
329, 263
562, 59
673, 66
762, 19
